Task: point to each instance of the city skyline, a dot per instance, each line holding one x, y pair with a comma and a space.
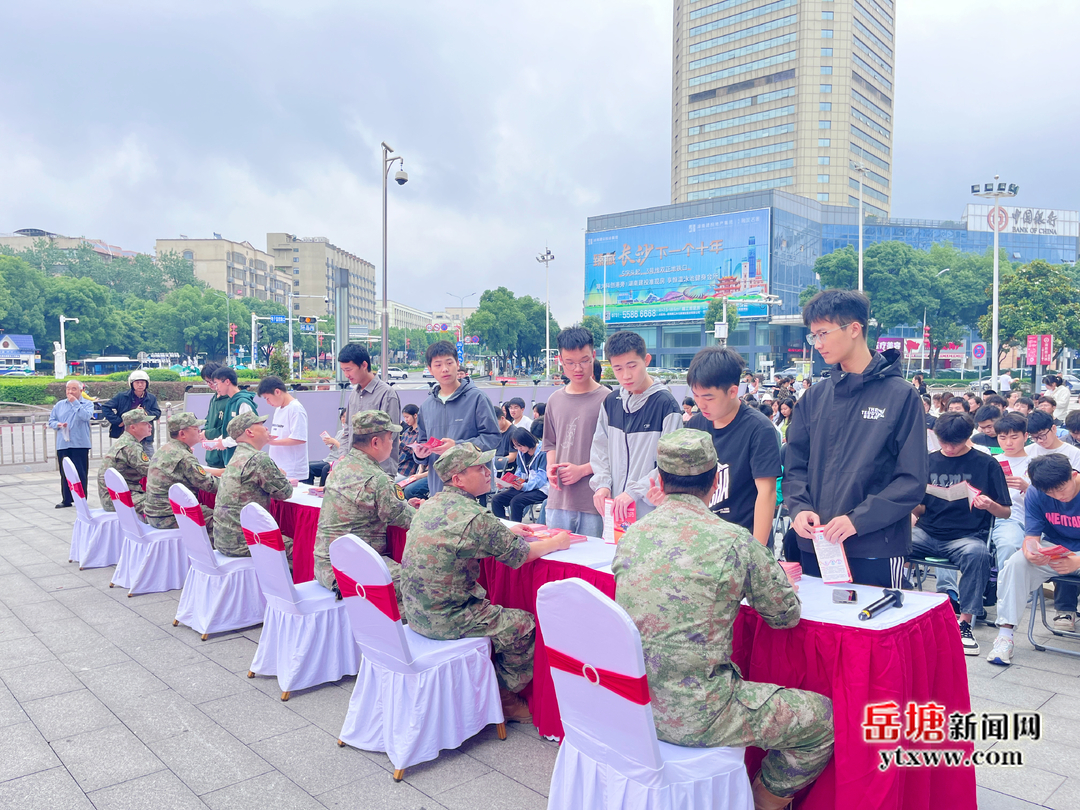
182, 126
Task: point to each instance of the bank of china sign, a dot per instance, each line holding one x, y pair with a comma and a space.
1038, 221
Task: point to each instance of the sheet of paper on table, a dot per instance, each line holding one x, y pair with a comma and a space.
304, 498
593, 553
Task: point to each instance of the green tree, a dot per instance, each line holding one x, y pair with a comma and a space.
1037, 298
715, 312
88, 301
498, 322
807, 294
595, 324
278, 364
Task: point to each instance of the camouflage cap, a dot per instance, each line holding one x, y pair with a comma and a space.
134, 416
366, 422
238, 424
686, 452
186, 419
461, 457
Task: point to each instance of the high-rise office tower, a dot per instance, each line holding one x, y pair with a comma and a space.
783, 94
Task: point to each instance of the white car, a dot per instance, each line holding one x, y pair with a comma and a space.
395, 373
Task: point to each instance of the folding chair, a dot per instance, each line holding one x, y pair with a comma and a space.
152, 560
306, 639
610, 756
1038, 602
220, 593
96, 540
414, 696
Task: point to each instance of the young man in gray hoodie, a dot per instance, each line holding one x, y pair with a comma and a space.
455, 412
631, 422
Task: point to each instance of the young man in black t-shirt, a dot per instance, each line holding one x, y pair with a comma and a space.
747, 445
955, 525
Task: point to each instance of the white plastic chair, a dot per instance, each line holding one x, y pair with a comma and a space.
306, 639
610, 756
414, 696
96, 540
220, 593
152, 560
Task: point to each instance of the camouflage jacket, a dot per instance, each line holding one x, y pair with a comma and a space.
250, 477
174, 463
128, 458
681, 572
359, 499
450, 534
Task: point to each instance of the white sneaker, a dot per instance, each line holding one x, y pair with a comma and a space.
1064, 621
1002, 652
971, 646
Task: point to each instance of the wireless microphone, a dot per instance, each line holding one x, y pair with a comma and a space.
892, 598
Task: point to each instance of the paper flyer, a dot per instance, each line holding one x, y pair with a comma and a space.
613, 531
831, 560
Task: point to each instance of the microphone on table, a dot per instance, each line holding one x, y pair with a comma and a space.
892, 598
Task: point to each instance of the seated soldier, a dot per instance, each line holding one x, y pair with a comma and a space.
1052, 514
360, 498
128, 457
965, 492
681, 573
450, 533
174, 463
249, 477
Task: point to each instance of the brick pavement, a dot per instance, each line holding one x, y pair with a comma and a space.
104, 704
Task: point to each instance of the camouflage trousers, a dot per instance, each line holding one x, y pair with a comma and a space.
324, 572
513, 638
169, 521
793, 725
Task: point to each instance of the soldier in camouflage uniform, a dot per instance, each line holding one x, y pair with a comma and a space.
360, 498
249, 477
680, 573
128, 457
450, 534
174, 463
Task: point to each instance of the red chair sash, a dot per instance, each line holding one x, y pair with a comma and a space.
77, 488
384, 597
271, 539
636, 690
193, 512
124, 497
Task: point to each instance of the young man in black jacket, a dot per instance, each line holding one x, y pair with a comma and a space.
856, 461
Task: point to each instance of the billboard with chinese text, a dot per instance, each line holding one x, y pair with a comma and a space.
671, 271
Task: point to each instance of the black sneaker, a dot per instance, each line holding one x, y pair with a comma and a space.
967, 639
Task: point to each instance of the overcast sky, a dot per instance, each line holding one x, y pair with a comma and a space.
130, 121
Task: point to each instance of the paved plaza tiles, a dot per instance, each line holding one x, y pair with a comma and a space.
104, 704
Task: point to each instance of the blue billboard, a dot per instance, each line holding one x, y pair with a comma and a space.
671, 271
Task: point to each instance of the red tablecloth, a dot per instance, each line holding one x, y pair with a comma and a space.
297, 521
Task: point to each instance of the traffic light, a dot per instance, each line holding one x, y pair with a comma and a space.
232, 331
406, 344
307, 320
256, 332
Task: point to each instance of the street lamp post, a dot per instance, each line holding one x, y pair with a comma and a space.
228, 326
401, 178
63, 347
860, 169
547, 257
997, 219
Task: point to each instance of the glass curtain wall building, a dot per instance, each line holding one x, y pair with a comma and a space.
654, 271
783, 94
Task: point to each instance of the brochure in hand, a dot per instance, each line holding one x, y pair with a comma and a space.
613, 531
1055, 552
508, 480
831, 560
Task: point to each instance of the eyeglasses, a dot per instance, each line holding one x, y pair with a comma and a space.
582, 365
1041, 436
814, 337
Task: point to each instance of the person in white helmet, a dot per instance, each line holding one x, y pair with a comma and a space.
137, 396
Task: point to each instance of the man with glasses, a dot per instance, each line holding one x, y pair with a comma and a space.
1045, 440
856, 460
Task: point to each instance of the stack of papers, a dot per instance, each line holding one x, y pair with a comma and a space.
793, 571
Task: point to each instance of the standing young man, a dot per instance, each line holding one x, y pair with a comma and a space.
288, 429
856, 460
455, 412
516, 409
745, 442
239, 401
369, 394
569, 424
631, 422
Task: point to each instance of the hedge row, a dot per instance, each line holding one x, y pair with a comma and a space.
155, 375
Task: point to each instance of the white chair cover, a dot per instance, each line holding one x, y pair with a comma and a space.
220, 593
610, 757
306, 638
96, 540
414, 696
152, 560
